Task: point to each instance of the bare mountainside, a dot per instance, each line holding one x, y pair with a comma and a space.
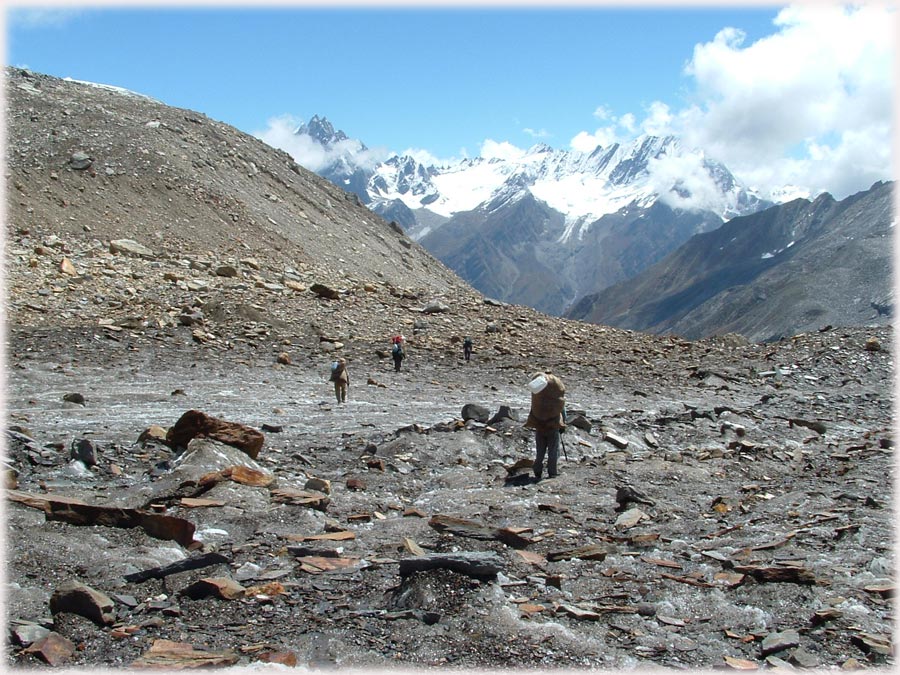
90, 165
720, 503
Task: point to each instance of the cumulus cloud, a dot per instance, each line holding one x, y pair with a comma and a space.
684, 183
809, 105
309, 153
616, 130
500, 150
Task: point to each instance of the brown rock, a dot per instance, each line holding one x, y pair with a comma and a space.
214, 587
54, 649
66, 267
284, 658
177, 655
153, 433
319, 485
194, 424
76, 598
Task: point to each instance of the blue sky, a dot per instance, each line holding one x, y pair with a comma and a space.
769, 90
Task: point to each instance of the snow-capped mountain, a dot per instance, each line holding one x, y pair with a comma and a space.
601, 216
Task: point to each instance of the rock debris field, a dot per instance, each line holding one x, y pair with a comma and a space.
388, 531
182, 489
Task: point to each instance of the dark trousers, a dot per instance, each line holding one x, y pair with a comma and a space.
397, 361
340, 391
546, 443
467, 353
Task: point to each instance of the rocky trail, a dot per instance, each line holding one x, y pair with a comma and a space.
763, 539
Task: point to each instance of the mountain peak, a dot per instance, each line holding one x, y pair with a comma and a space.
321, 130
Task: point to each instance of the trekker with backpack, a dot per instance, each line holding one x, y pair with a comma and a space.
467, 347
397, 354
548, 418
341, 379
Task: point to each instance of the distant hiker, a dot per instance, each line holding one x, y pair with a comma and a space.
397, 354
547, 417
341, 379
467, 347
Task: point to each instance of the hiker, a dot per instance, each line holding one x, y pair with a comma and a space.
341, 379
397, 354
467, 347
548, 418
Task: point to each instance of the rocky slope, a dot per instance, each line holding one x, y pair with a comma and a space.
389, 531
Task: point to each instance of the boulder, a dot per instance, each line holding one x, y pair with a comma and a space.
475, 564
129, 247
76, 598
196, 424
504, 413
435, 307
473, 411
324, 291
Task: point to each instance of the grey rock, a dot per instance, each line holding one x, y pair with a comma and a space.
776, 642
80, 160
475, 564
473, 411
129, 247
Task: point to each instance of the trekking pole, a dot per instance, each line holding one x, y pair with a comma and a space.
563, 442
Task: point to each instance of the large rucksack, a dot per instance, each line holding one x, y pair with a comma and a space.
335, 371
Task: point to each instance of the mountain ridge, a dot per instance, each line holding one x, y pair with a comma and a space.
591, 192
790, 268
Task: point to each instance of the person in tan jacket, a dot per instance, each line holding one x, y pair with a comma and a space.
341, 379
547, 417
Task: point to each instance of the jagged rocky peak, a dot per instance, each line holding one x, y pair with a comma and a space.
321, 130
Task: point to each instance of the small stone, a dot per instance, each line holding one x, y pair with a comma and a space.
229, 271
66, 267
80, 160
318, 484
776, 642
630, 518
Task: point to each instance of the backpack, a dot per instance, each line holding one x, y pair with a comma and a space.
335, 371
397, 350
467, 343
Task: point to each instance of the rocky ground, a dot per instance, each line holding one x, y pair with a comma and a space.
163, 276
768, 539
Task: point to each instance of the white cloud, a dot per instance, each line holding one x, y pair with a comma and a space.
809, 105
20, 17
684, 183
309, 153
540, 133
607, 135
504, 150
659, 120
585, 142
